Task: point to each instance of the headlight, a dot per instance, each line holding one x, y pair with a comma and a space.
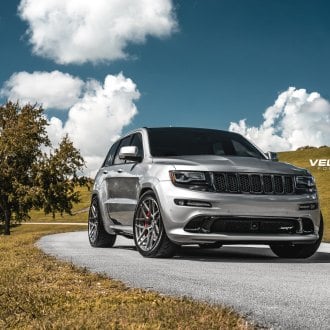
191, 180
305, 184
187, 177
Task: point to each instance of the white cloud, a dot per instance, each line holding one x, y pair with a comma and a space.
100, 115
296, 119
95, 119
54, 89
71, 31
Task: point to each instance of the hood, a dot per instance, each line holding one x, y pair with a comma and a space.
215, 163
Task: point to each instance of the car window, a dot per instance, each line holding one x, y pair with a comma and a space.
167, 142
110, 157
137, 141
242, 151
123, 143
218, 149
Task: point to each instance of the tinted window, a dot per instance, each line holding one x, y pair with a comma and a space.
137, 141
108, 161
196, 141
123, 143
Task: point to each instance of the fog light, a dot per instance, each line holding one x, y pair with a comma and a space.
187, 202
309, 206
198, 204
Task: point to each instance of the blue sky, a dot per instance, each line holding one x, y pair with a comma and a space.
222, 61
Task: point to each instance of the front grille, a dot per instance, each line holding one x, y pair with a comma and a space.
268, 184
261, 226
253, 183
232, 182
278, 184
244, 224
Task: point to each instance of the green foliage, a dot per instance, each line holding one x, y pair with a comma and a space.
57, 177
29, 176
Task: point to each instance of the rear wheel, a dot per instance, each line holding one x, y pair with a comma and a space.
97, 235
299, 250
149, 233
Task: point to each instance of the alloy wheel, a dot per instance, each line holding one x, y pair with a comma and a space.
148, 226
93, 221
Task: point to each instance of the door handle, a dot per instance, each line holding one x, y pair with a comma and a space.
105, 172
120, 170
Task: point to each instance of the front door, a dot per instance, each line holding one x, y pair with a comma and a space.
122, 181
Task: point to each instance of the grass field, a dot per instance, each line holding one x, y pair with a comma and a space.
79, 211
40, 292
322, 176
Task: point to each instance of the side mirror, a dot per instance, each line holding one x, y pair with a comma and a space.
129, 153
272, 156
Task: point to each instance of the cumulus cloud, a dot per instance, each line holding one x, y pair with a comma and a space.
54, 90
100, 115
70, 31
296, 119
95, 119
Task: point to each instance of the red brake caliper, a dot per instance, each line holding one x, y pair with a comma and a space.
148, 214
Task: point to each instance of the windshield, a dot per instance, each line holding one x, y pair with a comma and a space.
177, 141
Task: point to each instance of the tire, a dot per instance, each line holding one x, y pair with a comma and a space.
299, 250
215, 245
97, 235
149, 233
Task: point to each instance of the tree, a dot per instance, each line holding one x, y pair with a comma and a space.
32, 174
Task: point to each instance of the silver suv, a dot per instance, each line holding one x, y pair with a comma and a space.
167, 187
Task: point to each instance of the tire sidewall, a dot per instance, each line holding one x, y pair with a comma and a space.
161, 225
94, 243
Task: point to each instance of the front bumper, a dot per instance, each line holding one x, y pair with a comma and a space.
243, 206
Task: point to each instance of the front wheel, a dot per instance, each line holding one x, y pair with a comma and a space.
299, 250
149, 233
97, 235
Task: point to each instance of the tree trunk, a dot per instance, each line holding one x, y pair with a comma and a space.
7, 222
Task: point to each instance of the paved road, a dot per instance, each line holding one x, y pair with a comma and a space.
288, 294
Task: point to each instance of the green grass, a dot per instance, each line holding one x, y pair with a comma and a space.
79, 211
301, 158
40, 292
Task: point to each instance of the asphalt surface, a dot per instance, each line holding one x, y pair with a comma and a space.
274, 292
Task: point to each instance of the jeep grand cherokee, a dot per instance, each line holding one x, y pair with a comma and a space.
167, 187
